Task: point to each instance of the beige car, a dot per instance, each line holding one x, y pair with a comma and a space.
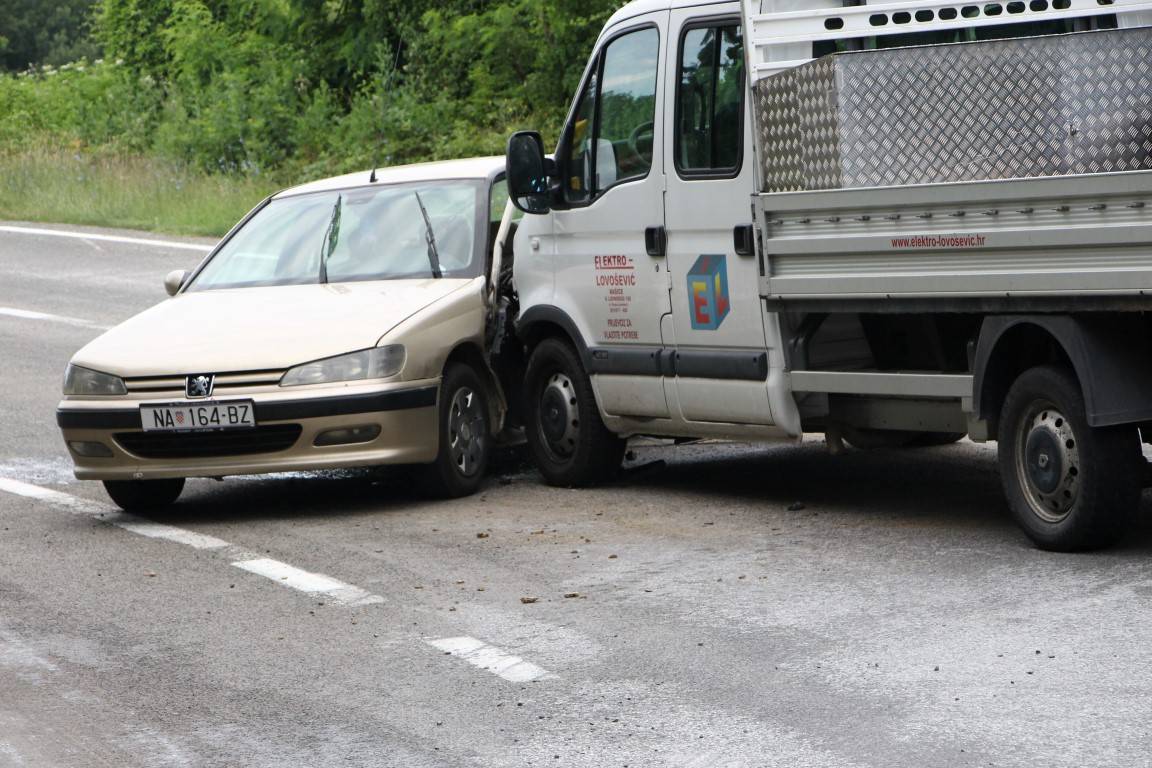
341, 324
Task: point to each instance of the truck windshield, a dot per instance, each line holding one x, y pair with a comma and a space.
382, 235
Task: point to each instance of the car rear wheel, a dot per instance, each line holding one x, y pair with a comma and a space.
566, 437
144, 495
465, 435
1070, 486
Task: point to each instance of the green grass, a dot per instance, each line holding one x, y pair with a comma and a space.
74, 187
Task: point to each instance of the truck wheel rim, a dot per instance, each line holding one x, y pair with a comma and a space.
466, 431
1048, 462
559, 416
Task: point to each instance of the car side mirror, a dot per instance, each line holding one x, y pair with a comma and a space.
174, 280
528, 182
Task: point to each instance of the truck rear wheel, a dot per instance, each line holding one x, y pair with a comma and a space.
566, 437
1070, 486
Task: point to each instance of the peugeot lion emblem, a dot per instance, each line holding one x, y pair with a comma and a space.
199, 386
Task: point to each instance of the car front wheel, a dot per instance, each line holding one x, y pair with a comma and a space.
465, 436
144, 495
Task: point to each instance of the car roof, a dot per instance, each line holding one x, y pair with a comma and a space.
471, 168
639, 7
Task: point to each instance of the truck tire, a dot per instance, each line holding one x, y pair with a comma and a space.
465, 434
1070, 486
144, 495
567, 439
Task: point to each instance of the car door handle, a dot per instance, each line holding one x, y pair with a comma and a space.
656, 241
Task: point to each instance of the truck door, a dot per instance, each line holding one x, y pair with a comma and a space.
611, 163
721, 356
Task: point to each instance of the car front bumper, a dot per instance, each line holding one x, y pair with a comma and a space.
288, 424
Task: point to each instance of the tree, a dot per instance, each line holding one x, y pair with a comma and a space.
34, 33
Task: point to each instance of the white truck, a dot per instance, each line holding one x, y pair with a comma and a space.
895, 223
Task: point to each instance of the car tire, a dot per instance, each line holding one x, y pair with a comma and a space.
566, 437
465, 434
1070, 486
144, 495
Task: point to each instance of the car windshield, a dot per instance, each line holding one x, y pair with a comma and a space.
367, 233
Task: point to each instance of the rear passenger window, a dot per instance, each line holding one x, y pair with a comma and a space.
710, 101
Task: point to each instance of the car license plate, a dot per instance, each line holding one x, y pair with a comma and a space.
193, 417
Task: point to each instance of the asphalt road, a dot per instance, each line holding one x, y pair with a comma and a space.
737, 605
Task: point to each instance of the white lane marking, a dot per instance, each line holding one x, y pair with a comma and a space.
107, 238
55, 498
142, 527
110, 514
305, 581
489, 657
285, 574
27, 314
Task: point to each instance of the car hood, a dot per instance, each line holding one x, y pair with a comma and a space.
251, 329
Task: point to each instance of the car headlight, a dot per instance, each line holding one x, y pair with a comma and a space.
82, 381
376, 363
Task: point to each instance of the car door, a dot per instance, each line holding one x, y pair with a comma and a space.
611, 164
721, 357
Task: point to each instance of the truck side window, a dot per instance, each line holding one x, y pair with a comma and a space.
579, 187
710, 100
612, 134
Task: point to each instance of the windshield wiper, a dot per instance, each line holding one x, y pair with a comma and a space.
430, 236
331, 236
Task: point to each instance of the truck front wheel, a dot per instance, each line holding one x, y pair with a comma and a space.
566, 437
1070, 486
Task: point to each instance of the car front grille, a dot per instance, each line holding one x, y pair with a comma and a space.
200, 445
174, 386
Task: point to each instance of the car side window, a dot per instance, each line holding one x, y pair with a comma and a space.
612, 135
710, 100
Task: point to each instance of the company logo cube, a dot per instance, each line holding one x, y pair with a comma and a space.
708, 302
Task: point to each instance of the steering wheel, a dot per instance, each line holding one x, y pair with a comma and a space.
634, 141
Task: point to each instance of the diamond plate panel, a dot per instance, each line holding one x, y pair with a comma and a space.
1045, 106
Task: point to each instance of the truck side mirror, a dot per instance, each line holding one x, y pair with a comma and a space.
173, 280
528, 183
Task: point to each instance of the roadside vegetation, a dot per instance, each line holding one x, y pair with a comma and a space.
179, 115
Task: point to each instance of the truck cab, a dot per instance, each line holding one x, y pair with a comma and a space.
665, 273
644, 260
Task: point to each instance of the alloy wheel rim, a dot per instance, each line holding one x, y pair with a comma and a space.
1048, 462
466, 432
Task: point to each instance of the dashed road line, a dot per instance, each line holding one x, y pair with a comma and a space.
142, 527
27, 314
305, 581
281, 573
106, 238
493, 659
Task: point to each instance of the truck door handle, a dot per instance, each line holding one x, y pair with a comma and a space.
742, 240
656, 241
